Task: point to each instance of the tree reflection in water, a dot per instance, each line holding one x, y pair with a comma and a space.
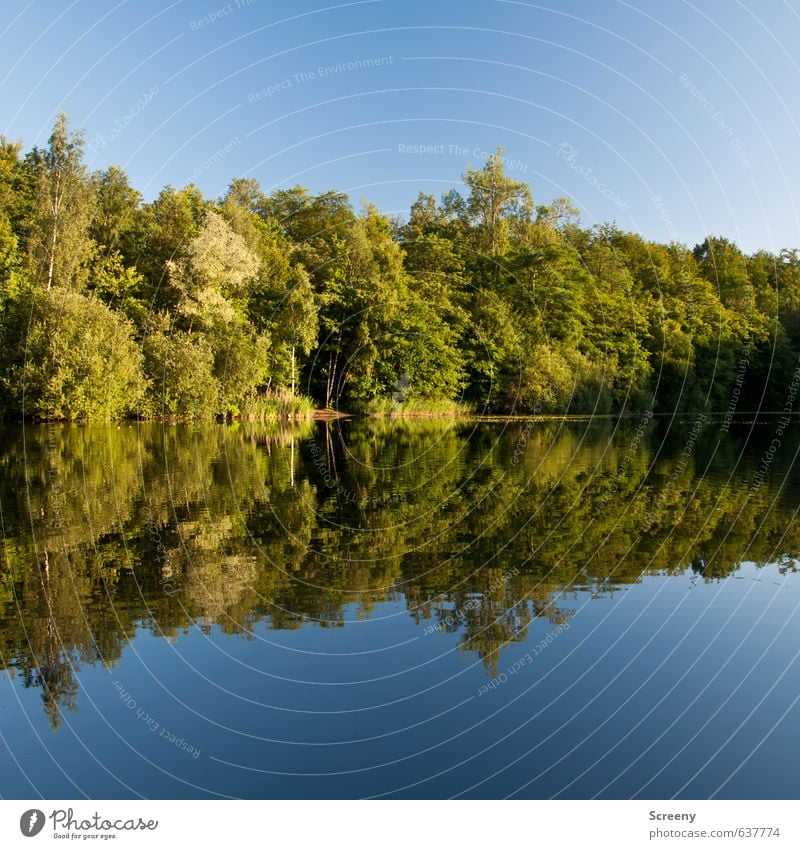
478, 527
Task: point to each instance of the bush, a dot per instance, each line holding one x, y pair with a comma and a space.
180, 369
272, 406
240, 366
75, 359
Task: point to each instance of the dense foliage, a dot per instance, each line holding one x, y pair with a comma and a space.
188, 307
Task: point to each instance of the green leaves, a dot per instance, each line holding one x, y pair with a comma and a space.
482, 299
77, 360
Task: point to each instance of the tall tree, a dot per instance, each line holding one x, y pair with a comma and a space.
115, 202
494, 200
60, 244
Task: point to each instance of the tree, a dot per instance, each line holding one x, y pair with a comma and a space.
77, 360
215, 275
295, 323
161, 234
360, 308
115, 203
180, 371
316, 226
17, 189
436, 317
724, 265
494, 199
210, 322
10, 260
59, 242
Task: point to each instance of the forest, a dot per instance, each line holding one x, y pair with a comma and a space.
269, 305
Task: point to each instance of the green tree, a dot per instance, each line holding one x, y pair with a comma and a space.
361, 305
160, 237
76, 360
59, 240
17, 189
494, 201
115, 203
180, 371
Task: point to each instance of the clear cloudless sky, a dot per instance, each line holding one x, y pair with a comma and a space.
675, 119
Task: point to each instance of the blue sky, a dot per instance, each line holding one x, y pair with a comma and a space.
673, 119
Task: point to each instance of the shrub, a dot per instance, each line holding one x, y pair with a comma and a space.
272, 406
180, 369
77, 360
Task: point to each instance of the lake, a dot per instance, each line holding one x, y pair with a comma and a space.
420, 609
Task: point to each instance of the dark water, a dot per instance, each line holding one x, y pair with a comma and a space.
422, 609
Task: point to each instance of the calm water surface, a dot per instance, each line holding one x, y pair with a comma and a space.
418, 609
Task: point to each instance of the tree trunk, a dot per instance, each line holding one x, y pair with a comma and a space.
54, 237
328, 381
333, 376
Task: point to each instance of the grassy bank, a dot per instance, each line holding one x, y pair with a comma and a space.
422, 409
277, 406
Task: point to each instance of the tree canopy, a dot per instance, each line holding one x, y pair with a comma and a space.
192, 307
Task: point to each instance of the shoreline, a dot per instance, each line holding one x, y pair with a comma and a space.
335, 415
